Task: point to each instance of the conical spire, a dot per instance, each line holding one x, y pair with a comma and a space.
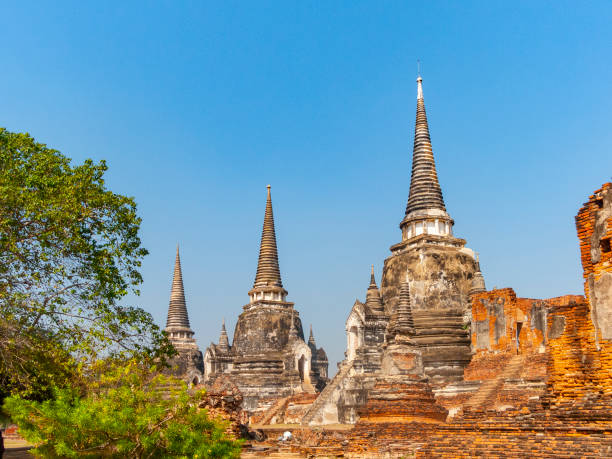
373, 300
402, 322
311, 339
177, 311
478, 282
425, 192
268, 272
223, 339
372, 279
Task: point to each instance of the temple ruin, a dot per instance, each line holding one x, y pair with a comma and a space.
269, 357
435, 365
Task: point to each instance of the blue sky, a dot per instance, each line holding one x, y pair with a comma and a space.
197, 106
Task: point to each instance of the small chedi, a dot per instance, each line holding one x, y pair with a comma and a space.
189, 363
269, 357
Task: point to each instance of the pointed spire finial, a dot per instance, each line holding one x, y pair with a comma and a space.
419, 81
419, 88
268, 271
372, 279
311, 339
223, 324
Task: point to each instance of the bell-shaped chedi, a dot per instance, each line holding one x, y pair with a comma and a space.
440, 267
189, 362
265, 324
268, 357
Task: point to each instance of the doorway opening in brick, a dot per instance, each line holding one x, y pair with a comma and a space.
519, 326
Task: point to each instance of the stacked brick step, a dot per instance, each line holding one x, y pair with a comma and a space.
489, 389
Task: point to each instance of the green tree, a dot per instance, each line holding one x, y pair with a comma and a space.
131, 412
69, 252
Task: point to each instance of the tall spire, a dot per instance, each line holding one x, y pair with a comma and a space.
177, 311
402, 323
268, 272
425, 192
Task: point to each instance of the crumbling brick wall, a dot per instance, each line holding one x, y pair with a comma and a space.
504, 323
594, 228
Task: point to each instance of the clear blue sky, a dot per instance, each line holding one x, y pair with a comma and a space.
198, 106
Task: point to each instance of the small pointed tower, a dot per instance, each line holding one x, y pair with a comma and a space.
179, 331
312, 343
268, 284
402, 354
223, 339
311, 340
478, 282
401, 325
425, 211
373, 299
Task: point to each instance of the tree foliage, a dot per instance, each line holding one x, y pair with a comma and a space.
69, 252
131, 412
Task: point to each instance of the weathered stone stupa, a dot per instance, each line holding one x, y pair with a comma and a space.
269, 357
188, 364
438, 271
439, 267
